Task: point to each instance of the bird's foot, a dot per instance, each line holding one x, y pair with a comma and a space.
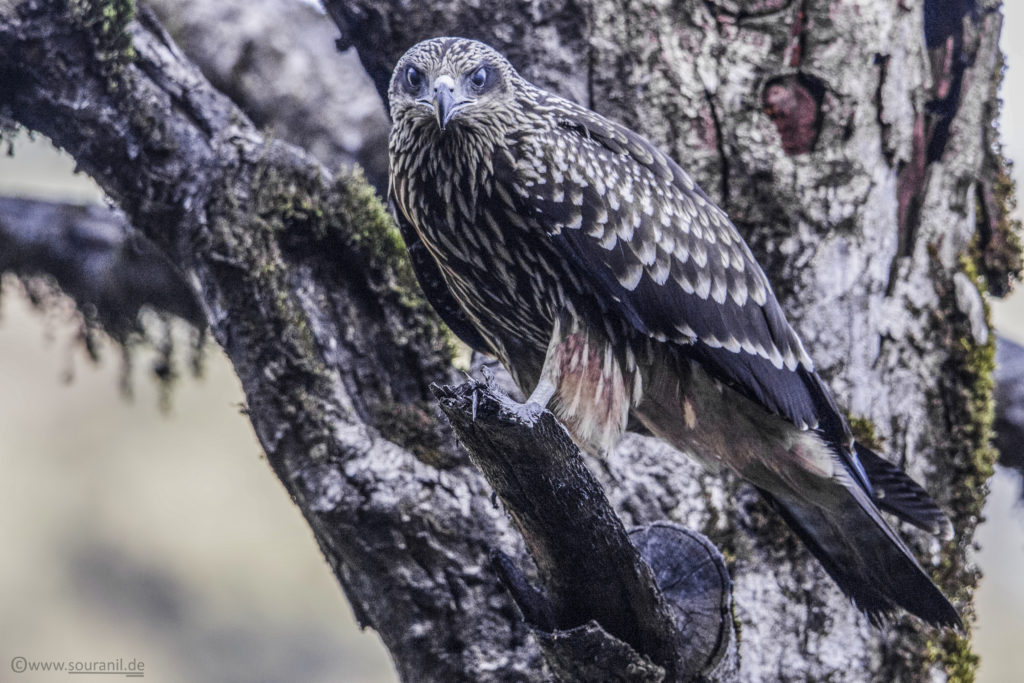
528, 413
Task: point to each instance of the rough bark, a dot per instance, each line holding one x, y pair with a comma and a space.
844, 145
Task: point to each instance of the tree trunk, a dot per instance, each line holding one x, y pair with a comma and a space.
851, 142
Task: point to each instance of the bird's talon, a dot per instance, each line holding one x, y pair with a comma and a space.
528, 412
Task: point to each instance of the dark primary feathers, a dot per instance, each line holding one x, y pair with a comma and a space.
610, 285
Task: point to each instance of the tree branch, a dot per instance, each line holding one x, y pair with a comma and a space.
590, 569
280, 65
91, 254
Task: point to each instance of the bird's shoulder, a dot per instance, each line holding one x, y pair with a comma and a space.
555, 122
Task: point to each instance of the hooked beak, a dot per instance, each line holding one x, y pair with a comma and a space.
444, 105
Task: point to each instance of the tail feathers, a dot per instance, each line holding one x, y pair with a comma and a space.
865, 557
896, 493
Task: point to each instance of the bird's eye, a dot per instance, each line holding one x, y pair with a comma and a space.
479, 78
413, 79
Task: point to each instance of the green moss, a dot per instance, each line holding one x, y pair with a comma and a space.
363, 221
975, 364
106, 25
288, 201
992, 263
864, 432
996, 249
252, 236
348, 210
370, 225
953, 652
960, 662
737, 623
340, 230
297, 327
965, 395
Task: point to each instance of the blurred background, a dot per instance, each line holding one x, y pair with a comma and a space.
150, 527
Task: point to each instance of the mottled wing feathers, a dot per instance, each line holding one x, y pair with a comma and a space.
671, 261
436, 290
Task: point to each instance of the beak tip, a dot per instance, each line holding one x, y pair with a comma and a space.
444, 106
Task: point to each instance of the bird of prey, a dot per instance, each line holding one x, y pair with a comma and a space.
612, 288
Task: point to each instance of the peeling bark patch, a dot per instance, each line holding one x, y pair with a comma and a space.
794, 104
949, 58
910, 182
882, 62
715, 130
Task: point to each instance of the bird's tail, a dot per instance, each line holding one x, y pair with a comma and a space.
819, 493
864, 555
898, 494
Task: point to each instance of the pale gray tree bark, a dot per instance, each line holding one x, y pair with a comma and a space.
852, 143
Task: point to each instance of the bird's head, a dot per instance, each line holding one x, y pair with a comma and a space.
452, 83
